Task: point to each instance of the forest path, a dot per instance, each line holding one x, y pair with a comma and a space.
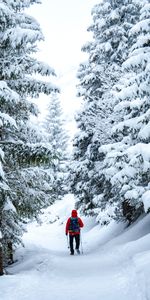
46, 271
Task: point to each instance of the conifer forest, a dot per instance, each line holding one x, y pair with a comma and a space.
108, 169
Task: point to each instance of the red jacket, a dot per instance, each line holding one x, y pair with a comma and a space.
74, 215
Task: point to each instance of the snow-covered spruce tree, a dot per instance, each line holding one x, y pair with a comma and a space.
36, 176
112, 21
10, 226
54, 127
127, 162
19, 36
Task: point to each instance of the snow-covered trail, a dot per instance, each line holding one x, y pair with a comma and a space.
106, 271
47, 271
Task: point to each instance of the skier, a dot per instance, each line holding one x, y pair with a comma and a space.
73, 225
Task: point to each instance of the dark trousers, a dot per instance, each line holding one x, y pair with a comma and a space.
71, 241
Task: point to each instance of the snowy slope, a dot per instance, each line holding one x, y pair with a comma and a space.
115, 264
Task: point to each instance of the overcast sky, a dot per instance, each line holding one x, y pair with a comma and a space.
64, 24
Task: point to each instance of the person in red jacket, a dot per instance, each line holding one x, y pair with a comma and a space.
73, 225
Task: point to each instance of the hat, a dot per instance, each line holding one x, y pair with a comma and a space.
74, 213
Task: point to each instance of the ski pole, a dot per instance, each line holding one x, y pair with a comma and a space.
67, 241
81, 243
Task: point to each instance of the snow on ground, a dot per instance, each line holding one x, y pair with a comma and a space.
115, 264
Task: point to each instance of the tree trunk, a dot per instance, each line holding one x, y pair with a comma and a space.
1, 260
10, 253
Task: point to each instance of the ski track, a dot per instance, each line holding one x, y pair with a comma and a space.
95, 275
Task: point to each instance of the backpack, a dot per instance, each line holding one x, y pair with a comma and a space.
74, 225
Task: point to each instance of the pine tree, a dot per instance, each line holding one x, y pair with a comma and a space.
54, 127
19, 36
112, 21
10, 225
127, 165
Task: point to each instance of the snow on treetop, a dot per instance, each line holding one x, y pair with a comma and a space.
140, 149
112, 147
4, 10
132, 194
146, 200
7, 93
140, 27
43, 68
108, 47
142, 41
127, 92
21, 4
138, 56
101, 23
144, 133
138, 103
16, 36
133, 123
145, 11
1, 170
9, 206
114, 15
6, 119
